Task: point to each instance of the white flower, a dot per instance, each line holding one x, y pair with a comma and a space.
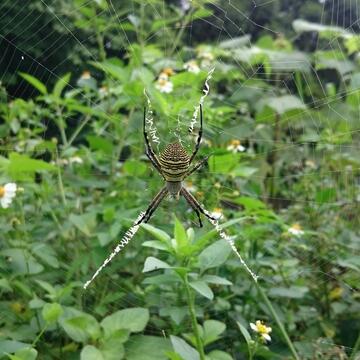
75, 159
85, 75
262, 330
217, 213
192, 66
295, 229
163, 84
7, 193
235, 146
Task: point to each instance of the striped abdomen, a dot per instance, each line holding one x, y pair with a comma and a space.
174, 162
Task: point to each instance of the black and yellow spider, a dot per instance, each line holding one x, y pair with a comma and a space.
173, 165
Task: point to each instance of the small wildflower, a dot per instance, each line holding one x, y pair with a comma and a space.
262, 330
7, 193
217, 213
235, 146
167, 71
336, 293
103, 91
163, 84
310, 164
206, 57
295, 229
85, 75
75, 159
192, 66
217, 185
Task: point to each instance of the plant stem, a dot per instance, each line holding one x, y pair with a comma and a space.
355, 349
278, 321
190, 300
60, 182
181, 31
78, 129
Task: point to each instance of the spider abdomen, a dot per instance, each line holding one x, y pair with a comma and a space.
174, 162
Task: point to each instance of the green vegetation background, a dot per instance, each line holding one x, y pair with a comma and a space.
286, 87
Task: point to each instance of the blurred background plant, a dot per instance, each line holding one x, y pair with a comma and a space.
282, 128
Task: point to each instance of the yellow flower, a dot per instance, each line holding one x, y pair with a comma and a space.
295, 229
7, 193
167, 71
262, 330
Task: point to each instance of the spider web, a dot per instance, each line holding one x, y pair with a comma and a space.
215, 133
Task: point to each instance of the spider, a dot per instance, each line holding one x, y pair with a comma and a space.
174, 165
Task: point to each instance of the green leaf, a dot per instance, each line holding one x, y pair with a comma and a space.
202, 288
112, 348
133, 319
245, 333
78, 325
99, 143
293, 292
90, 352
86, 223
213, 279
184, 349
134, 168
35, 83
60, 85
147, 348
51, 312
214, 255
282, 104
212, 330
24, 354
180, 236
223, 164
152, 263
157, 233
326, 195
219, 355
20, 261
155, 245
21, 166
11, 346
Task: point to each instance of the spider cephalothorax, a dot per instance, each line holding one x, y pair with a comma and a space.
174, 165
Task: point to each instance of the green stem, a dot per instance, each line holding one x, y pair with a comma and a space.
181, 31
60, 124
39, 336
278, 321
77, 130
191, 304
355, 349
60, 182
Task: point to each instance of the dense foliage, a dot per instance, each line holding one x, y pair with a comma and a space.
281, 127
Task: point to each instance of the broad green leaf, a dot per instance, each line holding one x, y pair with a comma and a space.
78, 325
24, 354
60, 85
223, 164
11, 346
212, 329
20, 261
147, 348
99, 143
90, 352
180, 236
51, 312
235, 42
36, 83
202, 288
181, 347
86, 223
219, 355
282, 104
133, 319
22, 166
157, 233
134, 168
326, 195
214, 255
301, 26
293, 292
112, 348
152, 263
155, 244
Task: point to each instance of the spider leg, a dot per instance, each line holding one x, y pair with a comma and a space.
153, 206
197, 146
197, 166
149, 150
195, 205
